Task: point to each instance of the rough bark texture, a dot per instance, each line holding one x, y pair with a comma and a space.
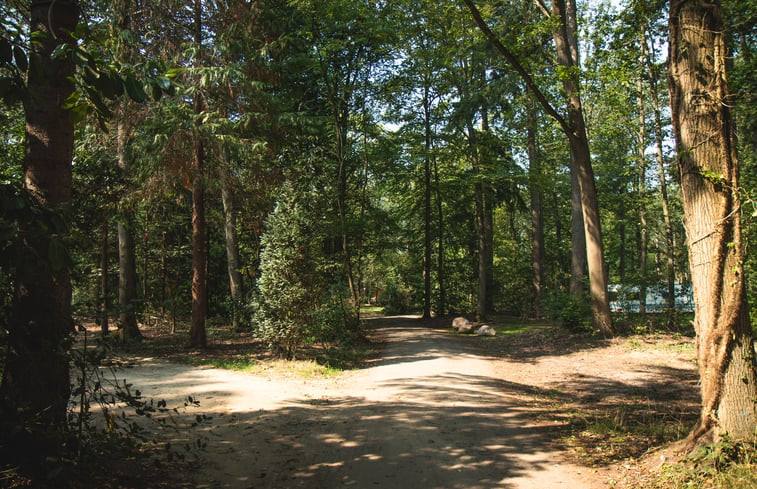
579, 269
708, 167
36, 381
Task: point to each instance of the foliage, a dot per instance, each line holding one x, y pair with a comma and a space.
289, 282
569, 311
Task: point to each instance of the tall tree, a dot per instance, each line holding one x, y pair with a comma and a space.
709, 171
35, 386
563, 14
197, 333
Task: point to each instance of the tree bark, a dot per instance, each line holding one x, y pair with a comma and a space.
35, 385
709, 170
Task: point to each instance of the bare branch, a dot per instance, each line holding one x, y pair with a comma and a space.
515, 63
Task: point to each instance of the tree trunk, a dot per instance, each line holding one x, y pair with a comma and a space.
440, 275
36, 380
567, 56
478, 197
488, 198
709, 171
566, 45
578, 266
668, 226
127, 262
197, 334
104, 288
426, 203
537, 218
642, 188
232, 251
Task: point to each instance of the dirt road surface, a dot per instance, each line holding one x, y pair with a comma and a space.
428, 413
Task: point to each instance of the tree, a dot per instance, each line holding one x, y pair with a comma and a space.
709, 171
287, 285
35, 386
566, 44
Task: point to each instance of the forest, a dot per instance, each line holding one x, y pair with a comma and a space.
282, 167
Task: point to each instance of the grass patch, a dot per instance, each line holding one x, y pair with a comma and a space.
724, 465
601, 437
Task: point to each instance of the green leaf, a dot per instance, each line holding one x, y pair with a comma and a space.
6, 51
20, 56
59, 51
135, 89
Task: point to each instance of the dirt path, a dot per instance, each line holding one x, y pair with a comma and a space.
428, 413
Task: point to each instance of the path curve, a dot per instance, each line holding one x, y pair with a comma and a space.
428, 413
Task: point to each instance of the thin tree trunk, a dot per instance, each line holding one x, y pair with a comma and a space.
537, 218
35, 386
578, 265
104, 288
488, 198
668, 225
127, 262
440, 274
232, 251
478, 197
197, 334
427, 203
709, 170
643, 239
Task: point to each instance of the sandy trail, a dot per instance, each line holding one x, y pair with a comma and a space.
428, 413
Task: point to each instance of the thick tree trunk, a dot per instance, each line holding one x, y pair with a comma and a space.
537, 219
35, 385
232, 251
197, 334
709, 170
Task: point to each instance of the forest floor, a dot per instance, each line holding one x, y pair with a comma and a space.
534, 407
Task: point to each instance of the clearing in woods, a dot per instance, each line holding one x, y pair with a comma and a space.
433, 409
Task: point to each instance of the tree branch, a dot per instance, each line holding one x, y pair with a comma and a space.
513, 60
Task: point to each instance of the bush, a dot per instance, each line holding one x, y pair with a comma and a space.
570, 312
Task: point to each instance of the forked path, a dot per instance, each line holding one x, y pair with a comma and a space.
428, 413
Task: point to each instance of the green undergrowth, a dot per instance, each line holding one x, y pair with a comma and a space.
723, 465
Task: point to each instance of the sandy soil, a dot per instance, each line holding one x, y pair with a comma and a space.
434, 410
